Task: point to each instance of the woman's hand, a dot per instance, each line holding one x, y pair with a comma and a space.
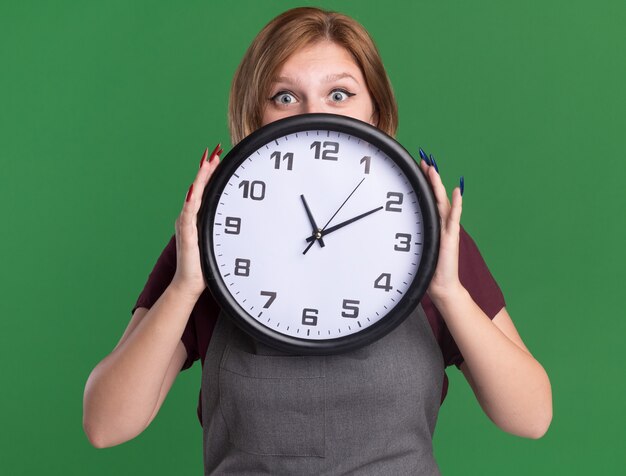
188, 277
445, 282
126, 389
511, 386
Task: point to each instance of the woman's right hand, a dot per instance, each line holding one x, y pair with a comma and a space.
188, 277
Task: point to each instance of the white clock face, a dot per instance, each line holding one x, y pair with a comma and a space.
300, 288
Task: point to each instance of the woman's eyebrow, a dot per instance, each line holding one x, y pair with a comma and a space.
284, 79
334, 77
328, 79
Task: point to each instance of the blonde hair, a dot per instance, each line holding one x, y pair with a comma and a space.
279, 39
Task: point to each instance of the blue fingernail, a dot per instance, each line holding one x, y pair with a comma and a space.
462, 182
423, 155
432, 159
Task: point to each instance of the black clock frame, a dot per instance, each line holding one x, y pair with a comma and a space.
328, 122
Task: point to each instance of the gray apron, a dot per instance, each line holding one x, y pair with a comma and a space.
367, 412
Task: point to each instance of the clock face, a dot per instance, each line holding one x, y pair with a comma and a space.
316, 235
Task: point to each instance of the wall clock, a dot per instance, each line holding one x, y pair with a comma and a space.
318, 234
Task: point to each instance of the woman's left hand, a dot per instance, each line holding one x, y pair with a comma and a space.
445, 282
511, 386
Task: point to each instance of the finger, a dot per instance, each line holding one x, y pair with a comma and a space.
193, 199
457, 207
186, 219
210, 160
207, 166
440, 192
203, 180
214, 164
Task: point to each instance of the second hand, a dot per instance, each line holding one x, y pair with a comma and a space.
321, 233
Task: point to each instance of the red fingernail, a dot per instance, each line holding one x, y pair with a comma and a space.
206, 152
189, 193
216, 152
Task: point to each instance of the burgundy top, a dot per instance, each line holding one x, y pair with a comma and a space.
473, 274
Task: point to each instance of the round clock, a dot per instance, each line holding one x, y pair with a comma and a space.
318, 234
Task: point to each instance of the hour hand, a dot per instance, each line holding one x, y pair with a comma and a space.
317, 233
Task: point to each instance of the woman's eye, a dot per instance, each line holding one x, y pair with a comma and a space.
339, 95
284, 98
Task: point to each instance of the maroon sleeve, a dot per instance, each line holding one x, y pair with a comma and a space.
159, 279
482, 287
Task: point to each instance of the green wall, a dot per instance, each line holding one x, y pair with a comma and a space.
106, 107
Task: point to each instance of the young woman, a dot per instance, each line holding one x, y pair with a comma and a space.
373, 410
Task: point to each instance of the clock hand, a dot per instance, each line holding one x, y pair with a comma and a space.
344, 223
344, 202
331, 218
316, 231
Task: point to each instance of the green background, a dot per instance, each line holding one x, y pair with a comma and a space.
106, 108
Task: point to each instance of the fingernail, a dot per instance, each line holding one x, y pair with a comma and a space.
206, 152
216, 152
432, 159
462, 182
423, 155
189, 193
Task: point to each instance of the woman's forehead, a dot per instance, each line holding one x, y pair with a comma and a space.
327, 60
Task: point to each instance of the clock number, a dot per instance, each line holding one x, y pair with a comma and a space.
366, 160
329, 148
288, 156
351, 308
255, 189
405, 242
309, 316
384, 282
242, 267
393, 205
232, 225
272, 298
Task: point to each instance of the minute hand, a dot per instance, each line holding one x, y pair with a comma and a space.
344, 223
